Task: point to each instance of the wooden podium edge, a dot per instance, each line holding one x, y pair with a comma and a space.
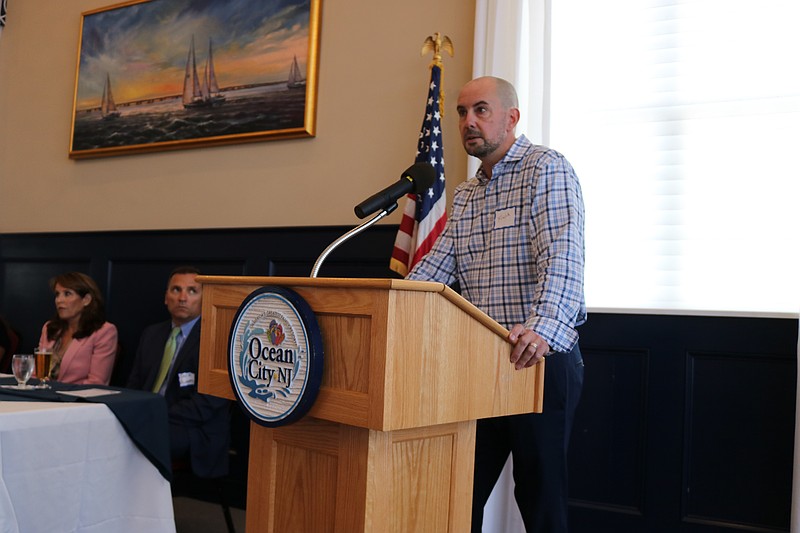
369, 283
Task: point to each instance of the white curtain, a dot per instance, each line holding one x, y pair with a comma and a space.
511, 39
512, 42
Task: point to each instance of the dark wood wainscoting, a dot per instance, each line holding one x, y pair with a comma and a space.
686, 423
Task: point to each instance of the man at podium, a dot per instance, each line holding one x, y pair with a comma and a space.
514, 243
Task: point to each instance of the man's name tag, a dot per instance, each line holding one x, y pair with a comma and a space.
186, 379
504, 218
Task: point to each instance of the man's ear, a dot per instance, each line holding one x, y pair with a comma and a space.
513, 118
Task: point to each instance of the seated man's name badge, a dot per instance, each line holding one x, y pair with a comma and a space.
275, 356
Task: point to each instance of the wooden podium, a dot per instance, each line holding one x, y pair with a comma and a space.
388, 445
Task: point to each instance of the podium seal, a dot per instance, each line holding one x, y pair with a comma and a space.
275, 356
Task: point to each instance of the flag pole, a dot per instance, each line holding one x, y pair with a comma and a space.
425, 215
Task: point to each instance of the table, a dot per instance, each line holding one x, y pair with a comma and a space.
143, 415
72, 467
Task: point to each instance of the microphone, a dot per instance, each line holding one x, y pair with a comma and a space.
416, 178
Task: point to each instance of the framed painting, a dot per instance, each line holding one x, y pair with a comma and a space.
171, 74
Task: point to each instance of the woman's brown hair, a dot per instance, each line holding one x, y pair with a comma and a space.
93, 315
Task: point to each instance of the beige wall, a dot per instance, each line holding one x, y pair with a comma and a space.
372, 89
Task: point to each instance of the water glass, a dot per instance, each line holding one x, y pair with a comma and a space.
22, 366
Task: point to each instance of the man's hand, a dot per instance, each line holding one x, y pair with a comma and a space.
529, 348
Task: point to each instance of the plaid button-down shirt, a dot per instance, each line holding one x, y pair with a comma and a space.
515, 244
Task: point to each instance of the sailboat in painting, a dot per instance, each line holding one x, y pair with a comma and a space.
201, 91
296, 79
214, 95
108, 109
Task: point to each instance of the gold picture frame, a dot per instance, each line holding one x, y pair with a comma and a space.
156, 75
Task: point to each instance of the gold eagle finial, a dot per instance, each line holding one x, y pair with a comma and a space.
436, 43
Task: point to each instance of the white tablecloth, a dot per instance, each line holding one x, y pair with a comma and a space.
72, 468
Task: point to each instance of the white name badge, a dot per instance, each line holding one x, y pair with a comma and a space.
186, 379
505, 218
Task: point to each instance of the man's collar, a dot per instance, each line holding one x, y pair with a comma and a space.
187, 327
514, 153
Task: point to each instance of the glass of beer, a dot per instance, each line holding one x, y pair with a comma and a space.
44, 357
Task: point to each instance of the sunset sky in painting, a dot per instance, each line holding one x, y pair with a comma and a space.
144, 46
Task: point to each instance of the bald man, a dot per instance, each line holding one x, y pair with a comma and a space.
514, 243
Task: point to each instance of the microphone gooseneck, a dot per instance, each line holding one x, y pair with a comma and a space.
350, 234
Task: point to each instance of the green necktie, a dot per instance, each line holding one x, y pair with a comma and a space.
169, 353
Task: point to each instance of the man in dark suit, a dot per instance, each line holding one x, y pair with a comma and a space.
166, 363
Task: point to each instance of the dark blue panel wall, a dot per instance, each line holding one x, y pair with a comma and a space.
686, 424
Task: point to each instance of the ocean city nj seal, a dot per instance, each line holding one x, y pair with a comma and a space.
275, 356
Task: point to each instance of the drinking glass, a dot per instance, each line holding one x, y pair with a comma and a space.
43, 358
22, 365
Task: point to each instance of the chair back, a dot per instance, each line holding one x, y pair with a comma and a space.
15, 338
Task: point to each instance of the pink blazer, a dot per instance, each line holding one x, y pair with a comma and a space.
89, 360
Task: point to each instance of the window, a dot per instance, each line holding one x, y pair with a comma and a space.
682, 120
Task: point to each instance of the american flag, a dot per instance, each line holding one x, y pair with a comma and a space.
424, 215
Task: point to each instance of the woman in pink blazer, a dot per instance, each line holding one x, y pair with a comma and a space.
84, 345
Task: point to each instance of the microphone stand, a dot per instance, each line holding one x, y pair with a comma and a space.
352, 233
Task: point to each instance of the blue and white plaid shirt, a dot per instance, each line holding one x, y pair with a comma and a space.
515, 244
